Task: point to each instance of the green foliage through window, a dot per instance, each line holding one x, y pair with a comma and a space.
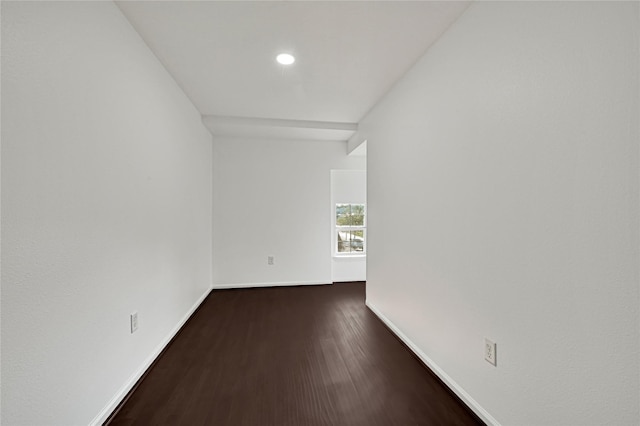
350, 214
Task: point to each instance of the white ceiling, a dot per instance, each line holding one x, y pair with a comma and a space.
348, 54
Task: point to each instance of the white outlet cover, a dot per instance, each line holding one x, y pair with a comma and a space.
490, 354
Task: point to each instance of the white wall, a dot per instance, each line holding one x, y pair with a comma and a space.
273, 198
106, 209
347, 187
509, 153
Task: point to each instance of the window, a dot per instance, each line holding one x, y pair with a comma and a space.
350, 229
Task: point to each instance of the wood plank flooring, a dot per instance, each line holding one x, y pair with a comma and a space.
289, 356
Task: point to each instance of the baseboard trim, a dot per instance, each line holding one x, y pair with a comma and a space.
444, 377
124, 392
274, 284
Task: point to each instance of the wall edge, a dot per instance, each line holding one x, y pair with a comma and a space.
106, 412
446, 379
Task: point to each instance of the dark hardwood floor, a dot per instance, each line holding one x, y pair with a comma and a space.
298, 356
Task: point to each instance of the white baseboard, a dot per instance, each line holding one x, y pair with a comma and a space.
462, 394
275, 284
119, 396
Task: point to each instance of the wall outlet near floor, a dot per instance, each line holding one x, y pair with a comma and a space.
269, 260
490, 351
134, 322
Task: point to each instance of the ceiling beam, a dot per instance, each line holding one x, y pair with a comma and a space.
273, 128
276, 122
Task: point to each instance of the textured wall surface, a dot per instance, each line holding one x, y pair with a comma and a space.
106, 208
503, 202
273, 198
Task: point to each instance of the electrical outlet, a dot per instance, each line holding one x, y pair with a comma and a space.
490, 351
134, 322
269, 260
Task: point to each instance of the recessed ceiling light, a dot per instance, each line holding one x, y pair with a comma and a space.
285, 59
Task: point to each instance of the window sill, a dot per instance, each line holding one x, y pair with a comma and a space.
350, 256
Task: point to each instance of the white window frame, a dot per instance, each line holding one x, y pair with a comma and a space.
342, 228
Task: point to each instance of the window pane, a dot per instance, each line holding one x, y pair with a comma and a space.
349, 214
343, 214
344, 241
357, 240
357, 215
350, 241
343, 247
